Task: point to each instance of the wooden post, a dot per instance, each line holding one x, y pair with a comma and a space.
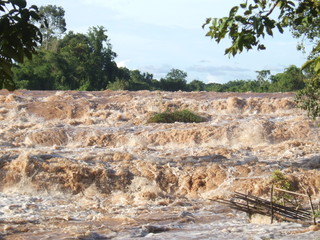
312, 209
311, 205
271, 203
298, 194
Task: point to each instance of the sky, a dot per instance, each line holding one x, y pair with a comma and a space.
156, 36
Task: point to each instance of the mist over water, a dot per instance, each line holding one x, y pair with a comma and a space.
86, 165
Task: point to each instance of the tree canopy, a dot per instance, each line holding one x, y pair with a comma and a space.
86, 61
19, 37
78, 62
55, 23
249, 23
175, 80
259, 18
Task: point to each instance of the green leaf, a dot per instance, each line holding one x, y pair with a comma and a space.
208, 20
291, 3
317, 65
25, 15
9, 52
252, 7
28, 54
19, 3
307, 64
269, 30
233, 11
244, 5
280, 28
256, 23
5, 68
4, 24
261, 30
248, 12
35, 8
240, 45
9, 84
297, 21
214, 22
223, 23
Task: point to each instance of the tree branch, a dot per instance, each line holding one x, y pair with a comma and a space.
272, 9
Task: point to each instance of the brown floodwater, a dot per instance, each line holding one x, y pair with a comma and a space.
87, 165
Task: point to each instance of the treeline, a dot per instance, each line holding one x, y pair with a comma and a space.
292, 79
77, 61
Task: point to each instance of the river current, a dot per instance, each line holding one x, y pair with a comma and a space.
87, 165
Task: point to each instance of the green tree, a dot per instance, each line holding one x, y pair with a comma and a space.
309, 31
249, 28
102, 67
19, 37
38, 73
263, 75
132, 80
55, 23
89, 59
292, 79
263, 80
309, 97
79, 62
73, 53
215, 87
259, 18
175, 80
196, 85
234, 86
122, 81
252, 86
140, 81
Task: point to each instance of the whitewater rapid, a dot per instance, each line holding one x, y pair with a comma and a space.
86, 165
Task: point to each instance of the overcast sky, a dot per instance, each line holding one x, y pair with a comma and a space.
157, 35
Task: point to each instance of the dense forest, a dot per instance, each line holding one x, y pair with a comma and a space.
77, 61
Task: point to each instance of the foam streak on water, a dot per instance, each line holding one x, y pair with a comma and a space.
86, 165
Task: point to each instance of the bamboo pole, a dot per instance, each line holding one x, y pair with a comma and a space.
265, 210
311, 205
275, 204
257, 205
271, 203
287, 191
251, 204
312, 208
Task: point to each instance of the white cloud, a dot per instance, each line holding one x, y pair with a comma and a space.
214, 79
158, 71
217, 70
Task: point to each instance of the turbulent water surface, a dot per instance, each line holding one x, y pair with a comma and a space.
86, 165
